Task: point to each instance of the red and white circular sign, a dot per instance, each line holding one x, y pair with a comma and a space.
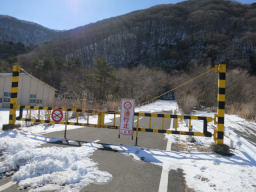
57, 115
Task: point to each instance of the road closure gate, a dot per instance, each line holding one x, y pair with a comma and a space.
71, 116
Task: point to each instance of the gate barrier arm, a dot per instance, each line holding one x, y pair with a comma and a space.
101, 117
218, 119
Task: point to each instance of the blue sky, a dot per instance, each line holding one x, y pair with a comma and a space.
67, 14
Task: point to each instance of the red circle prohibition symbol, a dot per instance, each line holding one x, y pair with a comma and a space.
127, 105
57, 115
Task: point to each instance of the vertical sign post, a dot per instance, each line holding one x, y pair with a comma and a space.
126, 117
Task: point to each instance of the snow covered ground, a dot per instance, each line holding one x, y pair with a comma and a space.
4, 117
71, 168
48, 168
158, 106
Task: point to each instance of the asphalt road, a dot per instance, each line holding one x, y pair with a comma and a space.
128, 175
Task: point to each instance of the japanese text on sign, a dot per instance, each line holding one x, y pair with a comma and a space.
127, 114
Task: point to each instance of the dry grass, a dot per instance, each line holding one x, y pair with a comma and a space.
221, 149
247, 111
202, 94
187, 189
112, 105
187, 103
87, 104
190, 147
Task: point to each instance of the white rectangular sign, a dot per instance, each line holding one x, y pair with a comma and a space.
126, 117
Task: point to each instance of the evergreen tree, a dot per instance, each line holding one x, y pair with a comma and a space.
101, 79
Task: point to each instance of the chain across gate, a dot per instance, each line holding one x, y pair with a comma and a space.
100, 115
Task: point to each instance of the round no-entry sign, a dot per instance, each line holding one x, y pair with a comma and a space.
57, 115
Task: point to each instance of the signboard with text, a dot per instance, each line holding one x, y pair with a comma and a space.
126, 116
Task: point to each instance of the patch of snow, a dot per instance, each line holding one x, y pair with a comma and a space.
4, 117
158, 106
48, 168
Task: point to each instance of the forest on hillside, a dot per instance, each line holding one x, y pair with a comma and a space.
170, 37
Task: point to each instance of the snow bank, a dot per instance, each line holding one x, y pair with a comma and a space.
68, 167
48, 168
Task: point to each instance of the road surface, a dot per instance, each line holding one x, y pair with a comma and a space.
128, 175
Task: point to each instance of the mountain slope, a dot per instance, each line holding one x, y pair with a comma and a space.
14, 30
9, 49
179, 36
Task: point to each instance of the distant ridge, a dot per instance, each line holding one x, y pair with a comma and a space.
28, 33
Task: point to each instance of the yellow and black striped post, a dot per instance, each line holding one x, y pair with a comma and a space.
221, 69
101, 116
14, 94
